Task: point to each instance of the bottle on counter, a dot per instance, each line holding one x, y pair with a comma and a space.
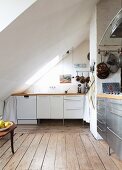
79, 88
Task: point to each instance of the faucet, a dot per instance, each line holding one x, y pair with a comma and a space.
67, 91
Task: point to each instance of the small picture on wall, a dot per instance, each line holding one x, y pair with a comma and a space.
66, 78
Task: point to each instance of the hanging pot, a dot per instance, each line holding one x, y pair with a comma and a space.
87, 79
88, 56
113, 68
77, 77
112, 59
103, 75
102, 70
120, 60
82, 79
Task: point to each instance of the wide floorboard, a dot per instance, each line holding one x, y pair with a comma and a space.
56, 147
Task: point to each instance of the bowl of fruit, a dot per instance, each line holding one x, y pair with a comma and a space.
4, 125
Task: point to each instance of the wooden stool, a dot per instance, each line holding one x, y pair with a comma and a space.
11, 131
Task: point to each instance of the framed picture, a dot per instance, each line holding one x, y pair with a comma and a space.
66, 78
113, 87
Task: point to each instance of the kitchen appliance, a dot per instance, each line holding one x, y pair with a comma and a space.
116, 31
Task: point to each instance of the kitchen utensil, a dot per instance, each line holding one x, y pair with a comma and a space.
79, 88
113, 68
77, 77
112, 59
120, 60
102, 70
82, 79
88, 56
87, 79
103, 75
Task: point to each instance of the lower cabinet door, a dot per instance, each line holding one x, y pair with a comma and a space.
56, 107
26, 107
43, 107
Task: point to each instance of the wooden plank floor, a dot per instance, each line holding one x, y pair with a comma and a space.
69, 147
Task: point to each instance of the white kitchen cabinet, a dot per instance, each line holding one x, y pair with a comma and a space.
26, 109
56, 107
43, 107
73, 107
60, 107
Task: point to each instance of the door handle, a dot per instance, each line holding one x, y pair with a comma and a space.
114, 133
101, 122
101, 129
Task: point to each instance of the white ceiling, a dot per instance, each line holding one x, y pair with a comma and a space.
47, 29
11, 9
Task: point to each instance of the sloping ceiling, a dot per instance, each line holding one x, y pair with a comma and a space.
47, 29
11, 9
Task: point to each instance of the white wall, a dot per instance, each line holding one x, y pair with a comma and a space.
1, 107
66, 66
103, 19
99, 22
93, 58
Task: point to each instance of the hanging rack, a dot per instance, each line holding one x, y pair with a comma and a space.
106, 52
82, 71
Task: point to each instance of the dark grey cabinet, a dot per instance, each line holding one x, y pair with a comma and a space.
109, 123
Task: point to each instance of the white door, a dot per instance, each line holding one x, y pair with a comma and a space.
56, 107
43, 107
26, 107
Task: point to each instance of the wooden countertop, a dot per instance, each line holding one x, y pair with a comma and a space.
110, 96
45, 94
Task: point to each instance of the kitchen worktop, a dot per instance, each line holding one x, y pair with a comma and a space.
44, 94
110, 96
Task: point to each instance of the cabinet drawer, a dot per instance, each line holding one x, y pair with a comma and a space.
101, 109
102, 132
73, 98
70, 104
101, 124
116, 101
73, 114
114, 121
117, 106
101, 102
101, 117
115, 142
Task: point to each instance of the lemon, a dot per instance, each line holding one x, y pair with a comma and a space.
2, 124
7, 124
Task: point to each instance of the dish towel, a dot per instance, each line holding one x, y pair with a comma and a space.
10, 109
86, 115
